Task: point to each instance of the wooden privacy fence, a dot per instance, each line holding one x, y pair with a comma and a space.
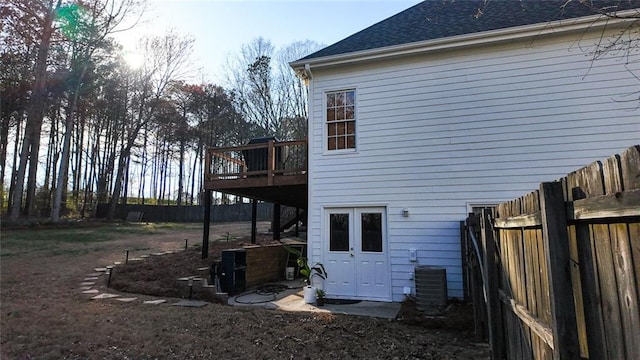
554, 274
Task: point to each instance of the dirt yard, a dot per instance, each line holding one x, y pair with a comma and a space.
44, 315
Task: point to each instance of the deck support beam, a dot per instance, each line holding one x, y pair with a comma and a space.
254, 216
207, 222
276, 222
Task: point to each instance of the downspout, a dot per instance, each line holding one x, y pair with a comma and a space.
307, 76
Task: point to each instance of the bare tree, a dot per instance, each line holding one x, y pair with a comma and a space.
265, 89
167, 57
294, 125
42, 14
86, 28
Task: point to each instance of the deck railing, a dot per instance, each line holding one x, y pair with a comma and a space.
269, 159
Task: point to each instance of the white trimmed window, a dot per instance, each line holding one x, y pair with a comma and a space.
341, 119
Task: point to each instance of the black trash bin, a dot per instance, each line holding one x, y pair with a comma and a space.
256, 159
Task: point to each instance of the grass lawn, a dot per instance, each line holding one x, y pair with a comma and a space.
80, 237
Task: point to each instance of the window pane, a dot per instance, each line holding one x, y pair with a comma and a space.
341, 143
351, 127
340, 98
372, 232
331, 100
331, 143
332, 129
350, 97
341, 128
349, 112
339, 232
351, 142
340, 113
331, 114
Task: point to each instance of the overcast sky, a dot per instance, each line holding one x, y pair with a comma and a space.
220, 27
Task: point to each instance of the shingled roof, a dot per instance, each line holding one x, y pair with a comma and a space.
436, 19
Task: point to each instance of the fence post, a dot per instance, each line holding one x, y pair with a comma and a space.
491, 265
556, 249
465, 263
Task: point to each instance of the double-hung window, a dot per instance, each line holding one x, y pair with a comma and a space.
341, 119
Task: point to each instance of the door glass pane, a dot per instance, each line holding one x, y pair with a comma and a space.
372, 232
339, 232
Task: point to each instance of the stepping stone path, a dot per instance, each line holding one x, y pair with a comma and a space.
104, 296
155, 302
86, 287
127, 299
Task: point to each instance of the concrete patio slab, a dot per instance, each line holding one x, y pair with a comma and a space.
292, 299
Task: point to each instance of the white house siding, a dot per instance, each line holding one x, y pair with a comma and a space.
438, 132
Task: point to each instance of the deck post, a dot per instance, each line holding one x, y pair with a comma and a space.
297, 221
254, 215
276, 222
207, 221
270, 162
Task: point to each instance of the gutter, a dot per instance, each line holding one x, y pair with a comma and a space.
467, 40
303, 73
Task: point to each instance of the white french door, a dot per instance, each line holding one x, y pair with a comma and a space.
356, 254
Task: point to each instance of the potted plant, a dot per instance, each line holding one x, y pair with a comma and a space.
320, 297
308, 272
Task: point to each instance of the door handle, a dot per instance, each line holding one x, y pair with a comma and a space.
351, 252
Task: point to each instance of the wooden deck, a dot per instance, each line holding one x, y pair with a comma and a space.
271, 171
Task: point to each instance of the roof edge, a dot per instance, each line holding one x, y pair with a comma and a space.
467, 40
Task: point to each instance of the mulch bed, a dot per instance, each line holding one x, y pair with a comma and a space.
157, 276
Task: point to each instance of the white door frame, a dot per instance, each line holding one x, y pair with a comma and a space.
354, 210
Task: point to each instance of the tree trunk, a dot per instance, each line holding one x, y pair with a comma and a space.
35, 114
4, 143
181, 172
63, 172
194, 174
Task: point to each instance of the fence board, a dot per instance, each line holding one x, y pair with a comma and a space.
622, 258
589, 281
608, 292
532, 305
577, 292
627, 292
634, 236
492, 274
630, 168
